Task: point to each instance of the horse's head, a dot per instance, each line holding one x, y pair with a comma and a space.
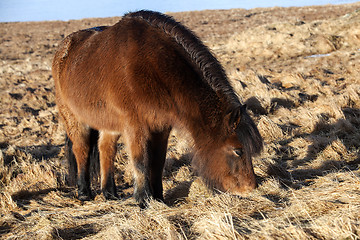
226, 165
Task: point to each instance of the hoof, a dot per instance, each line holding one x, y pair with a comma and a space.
111, 195
144, 204
85, 197
143, 200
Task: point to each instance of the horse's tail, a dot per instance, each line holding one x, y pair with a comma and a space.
72, 167
93, 159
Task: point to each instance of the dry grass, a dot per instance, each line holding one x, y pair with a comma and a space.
306, 108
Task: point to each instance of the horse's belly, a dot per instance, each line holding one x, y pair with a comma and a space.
99, 115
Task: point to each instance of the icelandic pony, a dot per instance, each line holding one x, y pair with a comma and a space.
140, 78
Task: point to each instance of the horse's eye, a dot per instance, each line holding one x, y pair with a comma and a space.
238, 152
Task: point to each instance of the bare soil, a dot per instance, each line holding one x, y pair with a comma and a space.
297, 69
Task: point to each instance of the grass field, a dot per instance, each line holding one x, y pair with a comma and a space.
297, 69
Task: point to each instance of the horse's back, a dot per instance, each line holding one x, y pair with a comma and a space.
73, 40
130, 65
73, 64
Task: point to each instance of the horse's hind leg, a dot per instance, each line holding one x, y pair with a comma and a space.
80, 136
107, 148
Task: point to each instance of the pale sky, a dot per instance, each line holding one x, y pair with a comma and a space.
40, 10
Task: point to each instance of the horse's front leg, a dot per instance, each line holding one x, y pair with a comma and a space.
156, 148
148, 153
136, 141
142, 190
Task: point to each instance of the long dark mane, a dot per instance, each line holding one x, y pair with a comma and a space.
211, 70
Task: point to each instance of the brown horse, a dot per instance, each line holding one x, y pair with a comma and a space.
142, 77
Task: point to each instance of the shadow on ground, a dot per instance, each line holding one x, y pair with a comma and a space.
295, 173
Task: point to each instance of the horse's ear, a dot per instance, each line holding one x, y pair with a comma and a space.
234, 116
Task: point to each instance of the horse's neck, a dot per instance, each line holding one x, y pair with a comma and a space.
206, 121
